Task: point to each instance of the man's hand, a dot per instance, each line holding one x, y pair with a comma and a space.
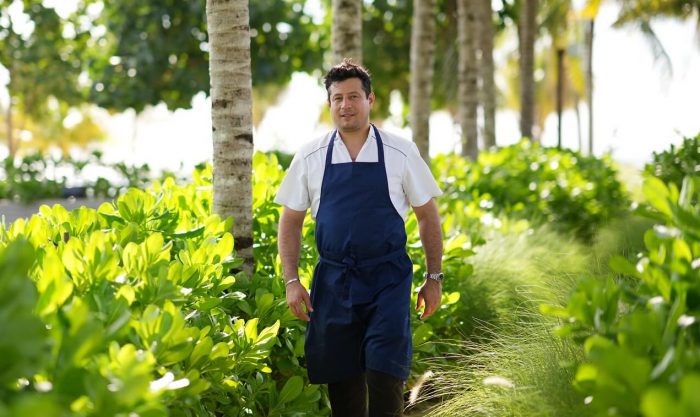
296, 296
430, 295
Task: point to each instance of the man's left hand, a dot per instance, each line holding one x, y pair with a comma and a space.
429, 296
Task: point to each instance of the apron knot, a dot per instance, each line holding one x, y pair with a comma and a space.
349, 263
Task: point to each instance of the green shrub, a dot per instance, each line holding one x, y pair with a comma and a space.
36, 176
28, 179
136, 313
640, 331
572, 192
672, 165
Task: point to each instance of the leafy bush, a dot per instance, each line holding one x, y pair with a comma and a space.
672, 165
572, 192
640, 331
133, 311
28, 180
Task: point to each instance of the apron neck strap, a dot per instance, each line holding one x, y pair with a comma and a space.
380, 145
329, 154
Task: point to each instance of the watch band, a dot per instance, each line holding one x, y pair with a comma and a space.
436, 276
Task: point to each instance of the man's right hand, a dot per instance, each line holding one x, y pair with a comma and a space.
296, 296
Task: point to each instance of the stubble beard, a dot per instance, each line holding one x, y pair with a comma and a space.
351, 125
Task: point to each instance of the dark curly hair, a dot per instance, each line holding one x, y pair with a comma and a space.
345, 70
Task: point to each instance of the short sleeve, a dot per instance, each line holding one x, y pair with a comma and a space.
418, 182
294, 191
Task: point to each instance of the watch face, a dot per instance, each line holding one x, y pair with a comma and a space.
437, 276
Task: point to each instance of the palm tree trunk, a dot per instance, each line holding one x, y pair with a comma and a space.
10, 133
468, 78
590, 25
11, 144
560, 93
422, 62
231, 109
346, 30
488, 86
578, 122
527, 26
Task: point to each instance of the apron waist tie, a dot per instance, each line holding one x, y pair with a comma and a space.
350, 263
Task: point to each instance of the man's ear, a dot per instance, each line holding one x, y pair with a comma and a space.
371, 98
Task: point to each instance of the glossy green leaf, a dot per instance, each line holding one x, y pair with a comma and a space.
291, 390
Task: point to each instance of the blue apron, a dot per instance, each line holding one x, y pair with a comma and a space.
361, 287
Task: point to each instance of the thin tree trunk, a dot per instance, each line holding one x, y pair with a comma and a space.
590, 25
560, 93
422, 63
231, 102
488, 86
10, 133
577, 99
346, 30
11, 144
527, 26
468, 78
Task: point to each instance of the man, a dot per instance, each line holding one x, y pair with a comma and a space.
359, 182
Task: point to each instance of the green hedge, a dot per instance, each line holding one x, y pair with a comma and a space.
36, 176
562, 188
673, 164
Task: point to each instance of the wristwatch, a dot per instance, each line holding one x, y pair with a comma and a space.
437, 276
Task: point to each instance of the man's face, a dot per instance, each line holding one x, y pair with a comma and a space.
349, 105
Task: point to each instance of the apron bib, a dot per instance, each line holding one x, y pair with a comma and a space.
361, 286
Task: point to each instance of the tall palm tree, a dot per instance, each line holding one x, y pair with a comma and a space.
422, 62
556, 16
527, 30
588, 16
231, 111
486, 70
9, 128
590, 27
468, 78
346, 30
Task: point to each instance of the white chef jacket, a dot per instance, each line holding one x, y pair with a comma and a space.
410, 181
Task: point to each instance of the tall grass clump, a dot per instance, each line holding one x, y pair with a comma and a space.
519, 368
623, 236
516, 374
521, 271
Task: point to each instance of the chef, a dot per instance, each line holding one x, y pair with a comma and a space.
360, 183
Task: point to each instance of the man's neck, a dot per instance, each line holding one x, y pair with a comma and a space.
354, 141
354, 138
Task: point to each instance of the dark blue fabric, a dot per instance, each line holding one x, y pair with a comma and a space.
362, 283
